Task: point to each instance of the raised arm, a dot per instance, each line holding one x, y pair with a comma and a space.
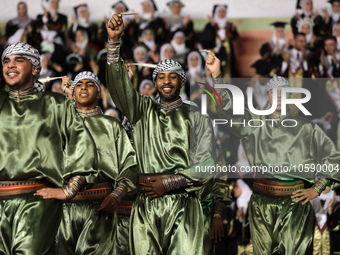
126, 98
240, 127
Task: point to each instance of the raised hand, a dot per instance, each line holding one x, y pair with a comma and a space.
213, 65
115, 27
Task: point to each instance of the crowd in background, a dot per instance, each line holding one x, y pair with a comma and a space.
68, 47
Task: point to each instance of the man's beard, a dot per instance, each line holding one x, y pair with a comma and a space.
170, 98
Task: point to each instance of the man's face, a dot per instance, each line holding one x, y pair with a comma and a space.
86, 94
270, 98
330, 46
336, 7
18, 72
300, 42
168, 85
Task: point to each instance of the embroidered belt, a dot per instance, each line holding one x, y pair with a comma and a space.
276, 187
10, 189
125, 208
98, 192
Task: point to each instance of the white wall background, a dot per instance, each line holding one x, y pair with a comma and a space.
195, 8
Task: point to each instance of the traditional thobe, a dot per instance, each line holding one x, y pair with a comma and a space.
278, 224
43, 143
84, 230
167, 141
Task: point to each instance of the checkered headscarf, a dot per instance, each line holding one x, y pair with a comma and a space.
27, 51
277, 81
86, 76
169, 65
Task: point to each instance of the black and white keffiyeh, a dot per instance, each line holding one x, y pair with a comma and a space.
86, 75
169, 65
27, 51
277, 81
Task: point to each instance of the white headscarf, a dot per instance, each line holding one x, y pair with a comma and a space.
151, 43
193, 71
310, 22
83, 21
303, 6
282, 41
163, 48
221, 23
82, 45
179, 48
146, 55
337, 37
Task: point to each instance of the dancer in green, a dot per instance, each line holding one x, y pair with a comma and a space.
43, 142
170, 137
281, 219
88, 223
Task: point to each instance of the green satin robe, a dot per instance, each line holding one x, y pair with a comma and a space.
84, 230
275, 220
216, 190
41, 137
165, 142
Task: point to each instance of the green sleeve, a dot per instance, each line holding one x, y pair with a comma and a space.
126, 98
327, 156
127, 164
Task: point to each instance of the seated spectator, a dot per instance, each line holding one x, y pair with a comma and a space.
307, 12
314, 43
225, 33
52, 20
332, 18
82, 20
166, 52
178, 44
17, 28
330, 59
177, 21
272, 49
336, 34
147, 88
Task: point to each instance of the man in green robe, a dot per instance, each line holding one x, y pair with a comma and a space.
279, 223
88, 223
169, 137
43, 142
